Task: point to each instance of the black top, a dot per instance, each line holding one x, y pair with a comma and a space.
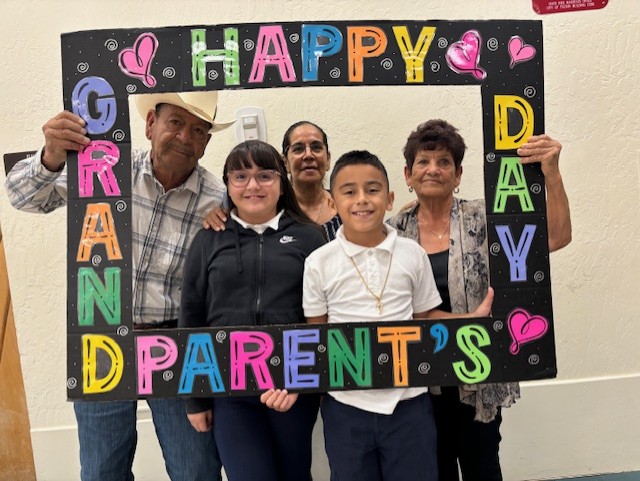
440, 267
238, 277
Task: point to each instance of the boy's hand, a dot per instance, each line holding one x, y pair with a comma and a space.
277, 399
215, 219
484, 309
201, 422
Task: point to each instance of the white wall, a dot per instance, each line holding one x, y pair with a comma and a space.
586, 421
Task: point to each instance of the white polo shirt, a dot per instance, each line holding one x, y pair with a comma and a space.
333, 286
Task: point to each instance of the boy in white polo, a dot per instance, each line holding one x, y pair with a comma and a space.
370, 274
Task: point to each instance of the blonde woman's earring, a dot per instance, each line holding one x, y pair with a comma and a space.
410, 189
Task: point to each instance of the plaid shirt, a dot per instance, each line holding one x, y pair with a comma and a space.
163, 226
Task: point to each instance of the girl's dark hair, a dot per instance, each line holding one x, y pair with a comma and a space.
431, 135
286, 140
255, 152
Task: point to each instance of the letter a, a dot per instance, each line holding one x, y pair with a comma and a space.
98, 228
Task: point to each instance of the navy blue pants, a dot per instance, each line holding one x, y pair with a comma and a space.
463, 440
259, 444
365, 446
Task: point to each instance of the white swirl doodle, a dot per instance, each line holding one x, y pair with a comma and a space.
221, 336
131, 88
497, 326
435, 66
536, 188
334, 72
538, 276
383, 358
118, 135
213, 74
169, 72
493, 44
294, 37
72, 383
111, 44
122, 331
96, 260
387, 63
83, 67
167, 375
248, 44
121, 205
494, 249
529, 91
491, 157
274, 361
534, 359
322, 348
443, 42
424, 368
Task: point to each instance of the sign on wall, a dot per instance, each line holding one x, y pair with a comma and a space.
107, 359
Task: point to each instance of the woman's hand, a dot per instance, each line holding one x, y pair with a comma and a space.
484, 309
201, 422
278, 399
542, 149
215, 219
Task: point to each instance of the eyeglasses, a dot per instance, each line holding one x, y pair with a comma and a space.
299, 149
241, 178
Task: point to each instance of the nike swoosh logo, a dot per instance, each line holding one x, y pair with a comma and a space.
286, 239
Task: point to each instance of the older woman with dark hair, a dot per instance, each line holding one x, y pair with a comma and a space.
453, 233
305, 150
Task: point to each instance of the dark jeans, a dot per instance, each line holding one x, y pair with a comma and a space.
462, 440
259, 444
107, 435
365, 446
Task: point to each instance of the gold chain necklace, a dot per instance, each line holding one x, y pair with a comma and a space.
378, 297
439, 236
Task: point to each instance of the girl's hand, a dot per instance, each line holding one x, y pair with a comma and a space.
278, 399
215, 219
201, 422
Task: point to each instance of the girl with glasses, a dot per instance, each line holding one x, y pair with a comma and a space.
250, 274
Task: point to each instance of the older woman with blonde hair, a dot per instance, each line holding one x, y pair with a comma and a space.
453, 232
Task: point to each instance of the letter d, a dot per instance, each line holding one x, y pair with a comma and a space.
91, 343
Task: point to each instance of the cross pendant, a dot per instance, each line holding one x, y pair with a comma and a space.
379, 305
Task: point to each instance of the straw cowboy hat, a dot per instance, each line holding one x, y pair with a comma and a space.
201, 104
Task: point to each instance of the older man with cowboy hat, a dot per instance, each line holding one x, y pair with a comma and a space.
171, 196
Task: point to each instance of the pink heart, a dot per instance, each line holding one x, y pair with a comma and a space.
525, 328
463, 56
136, 61
520, 51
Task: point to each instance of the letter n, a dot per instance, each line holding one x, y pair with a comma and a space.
341, 357
92, 291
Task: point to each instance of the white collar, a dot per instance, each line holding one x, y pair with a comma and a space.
259, 228
352, 249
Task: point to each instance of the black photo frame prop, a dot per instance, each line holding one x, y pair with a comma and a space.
109, 360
